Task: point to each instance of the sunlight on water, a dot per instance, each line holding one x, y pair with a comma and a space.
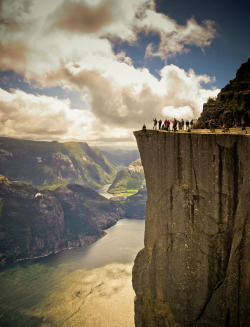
81, 287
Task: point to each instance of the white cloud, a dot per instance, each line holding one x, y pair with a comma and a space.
174, 38
27, 115
51, 45
52, 33
115, 111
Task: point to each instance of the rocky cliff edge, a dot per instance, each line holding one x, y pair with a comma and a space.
37, 223
195, 267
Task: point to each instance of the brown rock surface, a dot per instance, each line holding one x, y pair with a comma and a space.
232, 104
194, 268
35, 224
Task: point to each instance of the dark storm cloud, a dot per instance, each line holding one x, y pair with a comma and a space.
81, 18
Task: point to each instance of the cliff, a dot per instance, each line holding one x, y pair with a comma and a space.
232, 104
37, 223
194, 268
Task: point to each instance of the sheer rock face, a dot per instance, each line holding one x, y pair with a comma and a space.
35, 224
31, 224
195, 267
232, 104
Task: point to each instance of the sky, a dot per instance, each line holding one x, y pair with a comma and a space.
97, 70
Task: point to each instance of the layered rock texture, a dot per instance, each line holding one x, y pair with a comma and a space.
36, 223
232, 104
195, 267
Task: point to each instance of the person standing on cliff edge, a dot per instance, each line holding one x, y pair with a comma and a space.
212, 125
179, 125
155, 123
243, 126
174, 125
182, 124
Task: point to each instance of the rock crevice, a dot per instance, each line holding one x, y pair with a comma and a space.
194, 268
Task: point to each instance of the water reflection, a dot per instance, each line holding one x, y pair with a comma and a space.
81, 287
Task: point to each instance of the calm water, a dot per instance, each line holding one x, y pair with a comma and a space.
87, 287
80, 287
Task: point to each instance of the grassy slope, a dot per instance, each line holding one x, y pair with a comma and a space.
127, 183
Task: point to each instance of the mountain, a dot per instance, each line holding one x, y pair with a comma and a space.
232, 104
35, 223
75, 198
118, 157
128, 181
50, 164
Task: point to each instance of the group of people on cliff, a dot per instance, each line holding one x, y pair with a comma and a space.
176, 125
188, 126
225, 128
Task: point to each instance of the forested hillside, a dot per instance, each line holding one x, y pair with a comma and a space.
50, 164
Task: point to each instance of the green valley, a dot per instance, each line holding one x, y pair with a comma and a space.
128, 181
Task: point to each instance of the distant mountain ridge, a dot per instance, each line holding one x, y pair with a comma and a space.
50, 164
120, 157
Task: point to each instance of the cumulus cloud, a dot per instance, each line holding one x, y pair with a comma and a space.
70, 44
81, 18
28, 115
118, 102
115, 111
175, 38
13, 56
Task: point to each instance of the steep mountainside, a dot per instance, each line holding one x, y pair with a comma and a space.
135, 205
194, 268
120, 158
36, 223
104, 213
50, 164
232, 104
128, 181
